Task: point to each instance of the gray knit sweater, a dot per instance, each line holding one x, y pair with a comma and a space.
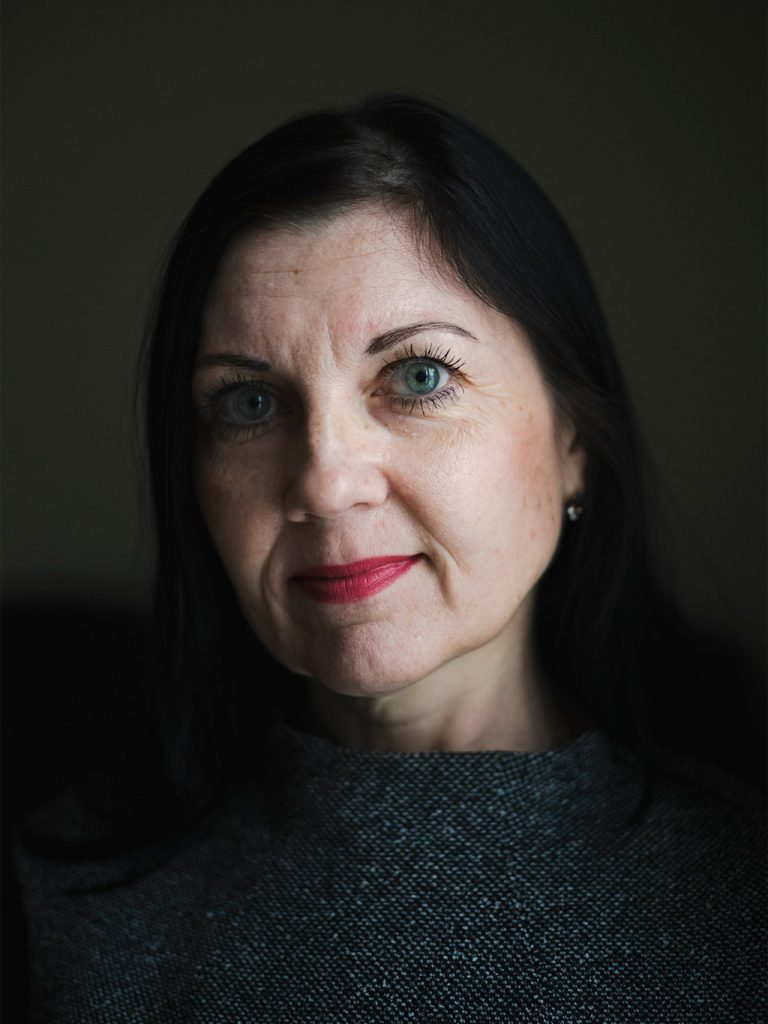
450, 887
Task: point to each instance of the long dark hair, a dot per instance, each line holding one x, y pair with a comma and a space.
603, 625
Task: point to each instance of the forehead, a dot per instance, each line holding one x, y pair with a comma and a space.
359, 272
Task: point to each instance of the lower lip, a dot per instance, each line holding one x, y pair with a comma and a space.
345, 589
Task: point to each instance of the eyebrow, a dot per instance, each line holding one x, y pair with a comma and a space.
381, 343
391, 338
232, 359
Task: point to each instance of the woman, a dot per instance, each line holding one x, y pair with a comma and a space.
406, 619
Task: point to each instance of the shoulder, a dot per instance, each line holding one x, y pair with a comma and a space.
95, 833
83, 813
687, 820
706, 824
697, 787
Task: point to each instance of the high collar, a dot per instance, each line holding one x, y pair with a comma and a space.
312, 773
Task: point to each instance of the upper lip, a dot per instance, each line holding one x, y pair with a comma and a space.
352, 568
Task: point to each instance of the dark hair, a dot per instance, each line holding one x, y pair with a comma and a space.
602, 622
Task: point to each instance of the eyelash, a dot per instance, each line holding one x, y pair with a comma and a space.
212, 400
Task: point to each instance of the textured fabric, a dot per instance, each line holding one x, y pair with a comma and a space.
450, 887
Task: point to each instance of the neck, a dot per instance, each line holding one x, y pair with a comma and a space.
495, 698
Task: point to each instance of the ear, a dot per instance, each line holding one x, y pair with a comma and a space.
573, 461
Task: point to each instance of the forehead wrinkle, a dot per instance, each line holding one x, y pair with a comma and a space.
248, 250
324, 261
348, 311
284, 336
368, 233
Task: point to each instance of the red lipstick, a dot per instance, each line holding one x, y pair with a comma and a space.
340, 584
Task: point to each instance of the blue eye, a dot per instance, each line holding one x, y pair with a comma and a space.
422, 377
247, 405
421, 373
241, 406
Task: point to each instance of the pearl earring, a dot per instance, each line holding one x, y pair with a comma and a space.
574, 511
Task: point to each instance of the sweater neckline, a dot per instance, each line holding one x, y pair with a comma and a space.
325, 749
301, 762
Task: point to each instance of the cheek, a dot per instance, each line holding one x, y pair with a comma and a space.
535, 494
236, 509
513, 495
535, 477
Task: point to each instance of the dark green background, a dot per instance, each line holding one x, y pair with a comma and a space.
643, 121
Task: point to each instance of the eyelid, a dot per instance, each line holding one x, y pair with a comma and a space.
444, 357
225, 385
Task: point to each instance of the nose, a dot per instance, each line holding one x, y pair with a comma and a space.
338, 466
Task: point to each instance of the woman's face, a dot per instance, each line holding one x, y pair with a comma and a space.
330, 455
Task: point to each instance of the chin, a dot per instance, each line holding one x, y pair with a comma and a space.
355, 686
363, 676
361, 660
